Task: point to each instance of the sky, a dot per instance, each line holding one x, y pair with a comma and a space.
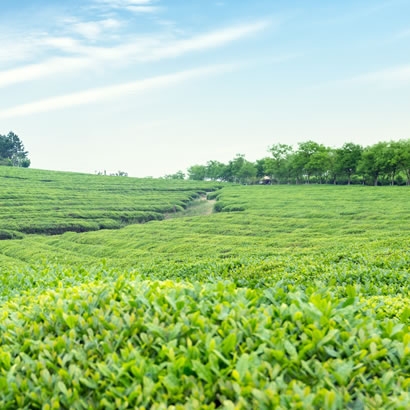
151, 87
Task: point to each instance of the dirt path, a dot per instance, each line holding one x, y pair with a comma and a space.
198, 207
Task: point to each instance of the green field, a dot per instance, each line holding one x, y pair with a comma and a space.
42, 202
282, 297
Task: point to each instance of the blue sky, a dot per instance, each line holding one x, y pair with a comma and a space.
151, 87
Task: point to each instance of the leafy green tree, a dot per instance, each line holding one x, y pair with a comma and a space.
240, 170
215, 170
177, 175
320, 163
310, 159
12, 151
235, 165
262, 166
294, 169
333, 167
247, 172
277, 167
391, 159
403, 155
197, 172
372, 163
347, 159
119, 174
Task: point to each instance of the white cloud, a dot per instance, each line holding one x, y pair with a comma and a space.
111, 92
137, 1
389, 78
142, 9
393, 76
205, 41
92, 30
136, 6
19, 47
62, 43
140, 50
46, 68
71, 36
123, 3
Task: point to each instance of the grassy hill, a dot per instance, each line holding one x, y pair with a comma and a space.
43, 202
284, 297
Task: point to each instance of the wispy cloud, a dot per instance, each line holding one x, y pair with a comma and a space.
391, 77
209, 40
92, 30
69, 36
12, 51
142, 9
51, 66
140, 50
112, 92
63, 43
124, 3
135, 6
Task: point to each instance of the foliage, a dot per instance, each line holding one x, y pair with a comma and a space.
384, 163
12, 151
277, 166
197, 172
215, 170
39, 202
139, 344
178, 175
348, 158
119, 174
299, 299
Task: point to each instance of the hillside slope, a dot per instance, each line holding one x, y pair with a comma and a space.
50, 202
287, 297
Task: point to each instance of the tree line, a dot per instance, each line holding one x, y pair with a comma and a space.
384, 163
12, 152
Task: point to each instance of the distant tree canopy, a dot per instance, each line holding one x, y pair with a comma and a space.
12, 151
177, 175
384, 163
113, 174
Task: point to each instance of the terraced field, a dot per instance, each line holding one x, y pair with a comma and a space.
35, 201
284, 297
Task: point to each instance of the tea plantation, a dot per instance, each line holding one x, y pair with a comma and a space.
283, 297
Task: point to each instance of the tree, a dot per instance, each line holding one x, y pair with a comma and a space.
403, 154
247, 172
348, 158
277, 167
119, 174
333, 166
177, 175
392, 159
197, 172
235, 165
263, 167
12, 151
240, 170
372, 162
320, 163
311, 159
215, 170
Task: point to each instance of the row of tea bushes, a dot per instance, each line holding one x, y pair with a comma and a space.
160, 344
50, 202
